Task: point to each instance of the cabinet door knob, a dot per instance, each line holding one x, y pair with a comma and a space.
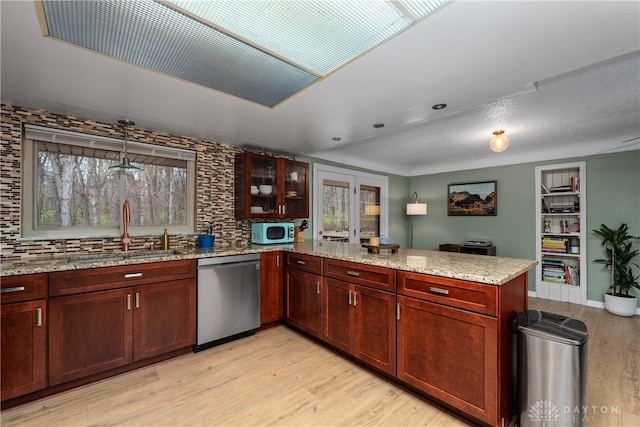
318, 288
128, 301
137, 299
38, 316
355, 298
349, 296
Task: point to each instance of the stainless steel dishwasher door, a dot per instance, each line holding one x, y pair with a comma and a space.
228, 298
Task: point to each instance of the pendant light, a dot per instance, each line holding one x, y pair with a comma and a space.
499, 142
126, 165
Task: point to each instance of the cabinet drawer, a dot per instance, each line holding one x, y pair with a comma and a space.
368, 275
308, 263
455, 293
98, 279
24, 288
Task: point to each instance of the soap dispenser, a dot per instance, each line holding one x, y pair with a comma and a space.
165, 240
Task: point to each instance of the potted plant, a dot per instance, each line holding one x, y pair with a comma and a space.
617, 244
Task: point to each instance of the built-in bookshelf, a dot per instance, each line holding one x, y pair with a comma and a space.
560, 232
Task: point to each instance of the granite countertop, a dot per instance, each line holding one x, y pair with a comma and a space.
476, 268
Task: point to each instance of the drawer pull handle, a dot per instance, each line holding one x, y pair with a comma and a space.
353, 273
128, 302
300, 262
355, 298
132, 275
318, 288
38, 316
14, 289
137, 299
439, 291
350, 297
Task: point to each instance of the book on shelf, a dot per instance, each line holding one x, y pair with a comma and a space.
555, 244
555, 271
561, 189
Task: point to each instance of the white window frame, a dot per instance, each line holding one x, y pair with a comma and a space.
355, 179
32, 134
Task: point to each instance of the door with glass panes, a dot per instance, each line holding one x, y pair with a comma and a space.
349, 208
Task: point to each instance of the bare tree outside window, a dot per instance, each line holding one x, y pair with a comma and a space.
78, 190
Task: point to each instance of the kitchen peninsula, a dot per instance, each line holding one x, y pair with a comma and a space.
435, 322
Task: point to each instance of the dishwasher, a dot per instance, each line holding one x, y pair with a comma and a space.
228, 299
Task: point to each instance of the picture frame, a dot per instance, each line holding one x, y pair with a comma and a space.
472, 199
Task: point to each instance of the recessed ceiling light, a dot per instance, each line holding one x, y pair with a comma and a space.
336, 138
439, 106
378, 125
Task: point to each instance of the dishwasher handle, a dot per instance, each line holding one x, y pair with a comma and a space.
229, 264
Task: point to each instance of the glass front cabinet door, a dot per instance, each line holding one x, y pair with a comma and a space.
271, 187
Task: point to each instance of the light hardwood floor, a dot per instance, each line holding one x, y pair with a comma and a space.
281, 378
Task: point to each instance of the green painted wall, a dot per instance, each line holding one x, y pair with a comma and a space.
613, 196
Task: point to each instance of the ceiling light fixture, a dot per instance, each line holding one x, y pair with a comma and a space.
378, 125
126, 165
439, 106
336, 138
499, 142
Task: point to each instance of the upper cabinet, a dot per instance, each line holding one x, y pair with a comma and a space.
271, 187
561, 223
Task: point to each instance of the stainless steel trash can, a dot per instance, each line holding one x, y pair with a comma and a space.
551, 370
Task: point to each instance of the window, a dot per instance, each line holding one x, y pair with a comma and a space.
70, 191
350, 206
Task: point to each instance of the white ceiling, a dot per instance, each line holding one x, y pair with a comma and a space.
562, 78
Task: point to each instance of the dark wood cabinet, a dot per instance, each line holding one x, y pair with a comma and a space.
94, 331
23, 323
270, 187
303, 293
89, 333
304, 301
271, 287
361, 321
164, 317
454, 341
375, 325
450, 354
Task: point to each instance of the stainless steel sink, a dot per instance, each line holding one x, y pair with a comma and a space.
150, 254
86, 259
120, 256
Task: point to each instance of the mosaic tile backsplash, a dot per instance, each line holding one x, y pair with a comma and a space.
214, 198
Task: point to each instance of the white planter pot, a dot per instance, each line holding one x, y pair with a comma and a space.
621, 306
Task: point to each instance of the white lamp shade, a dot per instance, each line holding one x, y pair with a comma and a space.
416, 208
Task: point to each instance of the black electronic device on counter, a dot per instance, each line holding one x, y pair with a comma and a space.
480, 243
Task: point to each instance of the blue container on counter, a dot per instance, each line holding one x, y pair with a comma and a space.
206, 240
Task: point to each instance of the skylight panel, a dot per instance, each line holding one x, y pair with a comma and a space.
264, 51
316, 35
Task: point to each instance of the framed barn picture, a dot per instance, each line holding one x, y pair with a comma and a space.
473, 199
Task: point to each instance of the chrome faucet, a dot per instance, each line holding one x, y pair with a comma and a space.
126, 219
